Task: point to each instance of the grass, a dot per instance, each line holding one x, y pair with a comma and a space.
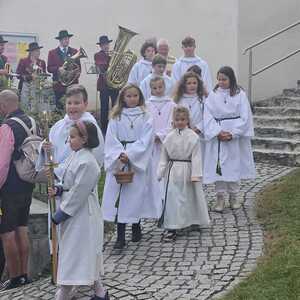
277, 276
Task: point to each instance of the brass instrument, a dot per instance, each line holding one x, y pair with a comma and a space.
121, 61
7, 80
70, 70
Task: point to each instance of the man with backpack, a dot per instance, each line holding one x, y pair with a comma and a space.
15, 193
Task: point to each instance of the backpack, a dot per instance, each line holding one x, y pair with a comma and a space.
29, 150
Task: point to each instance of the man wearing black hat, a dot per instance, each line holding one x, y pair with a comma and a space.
102, 59
56, 59
3, 59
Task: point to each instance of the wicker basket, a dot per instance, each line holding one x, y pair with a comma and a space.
124, 176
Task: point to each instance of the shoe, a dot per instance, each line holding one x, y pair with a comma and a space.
23, 279
106, 297
234, 202
11, 284
136, 232
120, 243
220, 205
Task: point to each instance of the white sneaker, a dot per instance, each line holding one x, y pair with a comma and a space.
234, 202
220, 205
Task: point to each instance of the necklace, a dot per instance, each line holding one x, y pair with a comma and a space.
159, 107
132, 120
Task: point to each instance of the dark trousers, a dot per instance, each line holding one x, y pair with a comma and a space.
105, 94
2, 259
58, 101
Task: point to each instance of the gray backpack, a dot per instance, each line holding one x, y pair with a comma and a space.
29, 150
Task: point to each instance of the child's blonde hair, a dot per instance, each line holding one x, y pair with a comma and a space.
180, 110
156, 79
117, 109
180, 90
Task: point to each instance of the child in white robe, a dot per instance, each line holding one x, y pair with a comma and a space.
79, 217
76, 105
189, 59
228, 128
159, 64
160, 108
180, 166
143, 67
129, 142
190, 94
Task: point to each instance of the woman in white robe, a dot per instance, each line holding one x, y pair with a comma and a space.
143, 67
228, 128
79, 216
130, 134
180, 166
161, 111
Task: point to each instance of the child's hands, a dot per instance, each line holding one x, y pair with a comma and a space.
52, 191
157, 140
225, 136
124, 158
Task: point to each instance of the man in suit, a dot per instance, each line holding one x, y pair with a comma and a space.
102, 59
56, 58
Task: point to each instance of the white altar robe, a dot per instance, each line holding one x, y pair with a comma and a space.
161, 110
236, 156
134, 126
140, 71
80, 237
185, 203
183, 63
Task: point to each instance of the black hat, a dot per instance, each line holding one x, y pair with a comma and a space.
62, 34
2, 41
103, 39
33, 46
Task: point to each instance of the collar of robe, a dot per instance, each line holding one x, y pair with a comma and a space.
132, 111
145, 62
159, 99
194, 59
180, 131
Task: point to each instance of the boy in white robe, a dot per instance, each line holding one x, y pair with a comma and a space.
180, 166
228, 128
189, 59
129, 142
79, 217
143, 67
160, 108
159, 64
76, 105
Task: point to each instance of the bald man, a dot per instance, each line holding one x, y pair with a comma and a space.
15, 194
163, 49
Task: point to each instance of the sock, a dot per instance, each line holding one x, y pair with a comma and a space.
99, 289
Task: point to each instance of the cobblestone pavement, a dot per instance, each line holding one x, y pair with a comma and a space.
198, 265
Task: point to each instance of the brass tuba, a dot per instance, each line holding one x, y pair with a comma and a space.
121, 61
70, 70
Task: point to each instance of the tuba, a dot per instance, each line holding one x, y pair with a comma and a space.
121, 61
70, 70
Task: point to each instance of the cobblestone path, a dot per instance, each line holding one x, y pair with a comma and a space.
201, 264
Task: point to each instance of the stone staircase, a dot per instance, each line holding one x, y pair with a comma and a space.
277, 129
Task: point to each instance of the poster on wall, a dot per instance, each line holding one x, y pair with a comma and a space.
16, 47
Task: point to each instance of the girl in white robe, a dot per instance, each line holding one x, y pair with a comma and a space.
129, 141
180, 166
228, 128
160, 108
143, 67
79, 217
190, 94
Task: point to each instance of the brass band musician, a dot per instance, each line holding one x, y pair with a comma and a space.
3, 62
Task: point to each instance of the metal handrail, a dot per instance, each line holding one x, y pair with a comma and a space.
271, 36
251, 74
276, 62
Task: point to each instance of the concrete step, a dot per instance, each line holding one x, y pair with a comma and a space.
277, 122
277, 111
271, 132
279, 101
282, 144
291, 92
277, 157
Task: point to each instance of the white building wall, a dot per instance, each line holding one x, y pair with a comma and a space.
258, 19
213, 24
